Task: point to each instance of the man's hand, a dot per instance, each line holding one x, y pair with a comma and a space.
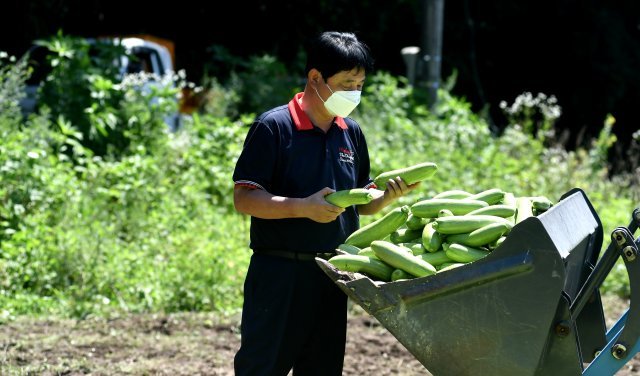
318, 209
397, 188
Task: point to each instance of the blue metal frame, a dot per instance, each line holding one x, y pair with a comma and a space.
605, 363
626, 331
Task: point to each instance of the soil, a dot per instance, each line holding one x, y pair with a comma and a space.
188, 344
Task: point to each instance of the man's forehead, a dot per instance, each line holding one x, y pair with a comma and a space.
356, 74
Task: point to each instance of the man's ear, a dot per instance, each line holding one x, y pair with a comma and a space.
314, 76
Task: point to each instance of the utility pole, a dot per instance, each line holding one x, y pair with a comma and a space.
410, 55
431, 48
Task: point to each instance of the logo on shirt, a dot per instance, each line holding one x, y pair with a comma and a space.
345, 155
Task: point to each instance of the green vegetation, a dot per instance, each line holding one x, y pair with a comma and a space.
103, 210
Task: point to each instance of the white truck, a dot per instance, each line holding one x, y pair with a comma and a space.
142, 56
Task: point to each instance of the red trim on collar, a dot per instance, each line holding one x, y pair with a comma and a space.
300, 118
341, 123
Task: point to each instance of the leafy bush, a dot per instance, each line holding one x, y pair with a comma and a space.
252, 85
30, 167
136, 230
137, 234
13, 76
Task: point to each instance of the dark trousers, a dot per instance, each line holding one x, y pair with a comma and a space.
293, 317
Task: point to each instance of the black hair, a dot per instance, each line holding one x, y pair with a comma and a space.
331, 52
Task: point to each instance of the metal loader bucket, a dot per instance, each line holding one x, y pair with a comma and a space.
495, 316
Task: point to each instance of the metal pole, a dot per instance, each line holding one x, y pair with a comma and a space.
432, 48
410, 56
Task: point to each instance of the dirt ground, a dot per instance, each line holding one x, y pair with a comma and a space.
187, 344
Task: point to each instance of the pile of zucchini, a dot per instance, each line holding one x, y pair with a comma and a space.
434, 234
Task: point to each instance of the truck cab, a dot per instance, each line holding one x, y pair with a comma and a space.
142, 56
147, 56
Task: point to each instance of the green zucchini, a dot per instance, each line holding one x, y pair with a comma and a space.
460, 224
380, 228
541, 203
510, 200
436, 258
416, 248
448, 266
410, 175
400, 274
500, 210
454, 193
349, 197
362, 264
405, 235
416, 223
429, 208
348, 248
431, 239
490, 196
462, 253
481, 236
367, 251
397, 257
496, 243
524, 209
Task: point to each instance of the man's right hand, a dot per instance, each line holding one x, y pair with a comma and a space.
318, 209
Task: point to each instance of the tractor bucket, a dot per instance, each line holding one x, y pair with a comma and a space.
506, 314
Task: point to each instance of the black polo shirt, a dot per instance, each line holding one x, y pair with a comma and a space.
286, 155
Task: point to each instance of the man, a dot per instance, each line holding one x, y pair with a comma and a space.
294, 317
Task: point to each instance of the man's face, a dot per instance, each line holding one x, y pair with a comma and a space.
347, 80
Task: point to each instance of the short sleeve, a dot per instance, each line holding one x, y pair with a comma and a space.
255, 165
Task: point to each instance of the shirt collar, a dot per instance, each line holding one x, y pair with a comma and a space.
302, 121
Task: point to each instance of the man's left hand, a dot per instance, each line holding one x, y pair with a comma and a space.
397, 188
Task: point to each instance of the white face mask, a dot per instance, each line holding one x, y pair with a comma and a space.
341, 102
